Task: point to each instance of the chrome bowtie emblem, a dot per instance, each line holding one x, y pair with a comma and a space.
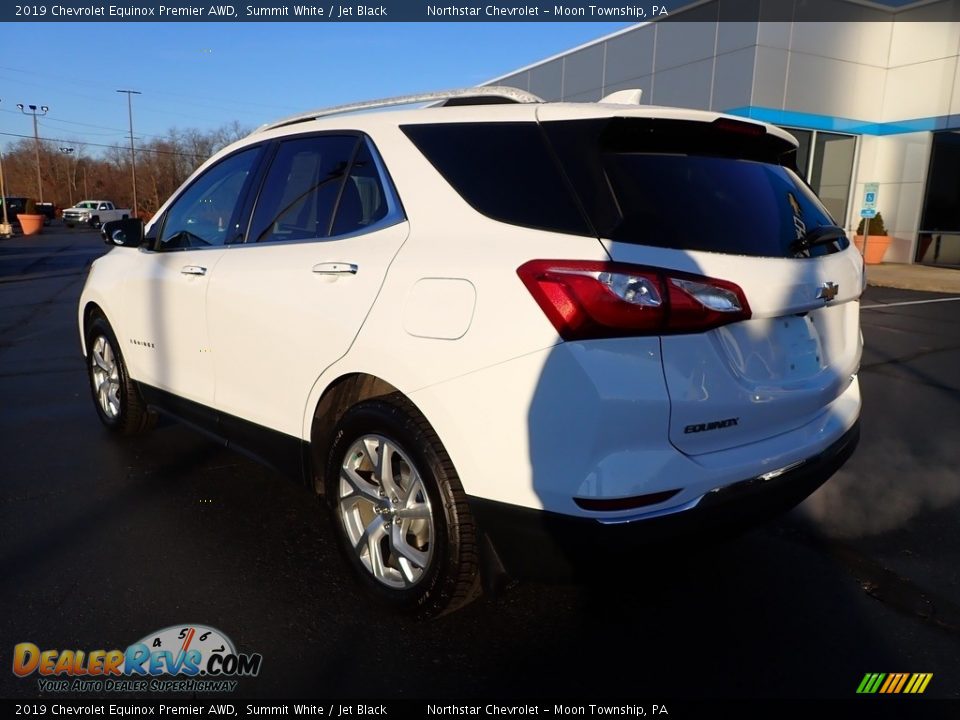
828, 291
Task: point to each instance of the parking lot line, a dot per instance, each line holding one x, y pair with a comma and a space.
908, 302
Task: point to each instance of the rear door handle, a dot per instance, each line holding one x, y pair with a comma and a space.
335, 268
193, 270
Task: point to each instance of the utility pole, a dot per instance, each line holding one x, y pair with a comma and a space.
5, 228
36, 139
133, 157
69, 151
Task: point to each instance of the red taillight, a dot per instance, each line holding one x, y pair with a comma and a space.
605, 299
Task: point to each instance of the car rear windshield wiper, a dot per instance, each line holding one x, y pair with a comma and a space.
817, 236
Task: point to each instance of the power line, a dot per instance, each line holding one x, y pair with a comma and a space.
84, 133
99, 127
113, 131
232, 102
115, 147
161, 110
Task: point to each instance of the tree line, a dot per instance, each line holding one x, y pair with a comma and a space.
98, 173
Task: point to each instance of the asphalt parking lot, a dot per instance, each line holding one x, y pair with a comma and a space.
106, 540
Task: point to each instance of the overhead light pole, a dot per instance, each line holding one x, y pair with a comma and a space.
69, 151
36, 138
133, 157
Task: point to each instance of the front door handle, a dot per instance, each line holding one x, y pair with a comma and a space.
193, 270
335, 268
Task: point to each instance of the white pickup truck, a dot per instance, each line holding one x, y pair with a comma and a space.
93, 213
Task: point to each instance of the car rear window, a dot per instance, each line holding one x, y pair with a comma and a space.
503, 170
689, 185
726, 187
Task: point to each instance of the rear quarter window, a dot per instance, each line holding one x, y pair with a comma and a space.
505, 171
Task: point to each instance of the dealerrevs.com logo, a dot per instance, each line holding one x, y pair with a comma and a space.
179, 658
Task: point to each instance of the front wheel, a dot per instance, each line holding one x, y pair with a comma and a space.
400, 510
95, 223
116, 397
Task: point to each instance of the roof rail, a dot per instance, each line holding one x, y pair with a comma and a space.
461, 96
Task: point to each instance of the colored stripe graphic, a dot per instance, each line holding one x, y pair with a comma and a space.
903, 681
891, 680
894, 683
868, 683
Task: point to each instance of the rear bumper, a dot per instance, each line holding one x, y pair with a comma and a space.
544, 545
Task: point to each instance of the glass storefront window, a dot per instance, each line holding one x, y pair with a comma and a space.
938, 241
826, 161
804, 140
832, 171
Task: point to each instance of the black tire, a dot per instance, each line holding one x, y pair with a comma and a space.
95, 222
123, 411
451, 576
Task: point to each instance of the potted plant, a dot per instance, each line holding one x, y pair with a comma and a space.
877, 241
31, 221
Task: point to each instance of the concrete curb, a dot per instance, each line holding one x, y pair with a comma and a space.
914, 277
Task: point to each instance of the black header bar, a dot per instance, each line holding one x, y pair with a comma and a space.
873, 707
334, 11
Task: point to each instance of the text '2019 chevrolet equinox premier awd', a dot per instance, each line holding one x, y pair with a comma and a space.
494, 331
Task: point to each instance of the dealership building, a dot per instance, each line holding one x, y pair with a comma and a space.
871, 97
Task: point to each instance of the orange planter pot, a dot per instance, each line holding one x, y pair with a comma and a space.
30, 224
876, 248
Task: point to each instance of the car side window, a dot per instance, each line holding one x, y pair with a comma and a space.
206, 214
363, 202
301, 189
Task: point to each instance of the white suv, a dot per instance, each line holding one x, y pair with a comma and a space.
495, 334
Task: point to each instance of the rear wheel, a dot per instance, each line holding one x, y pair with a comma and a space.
116, 397
400, 510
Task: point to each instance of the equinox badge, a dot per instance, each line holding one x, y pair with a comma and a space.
828, 291
715, 425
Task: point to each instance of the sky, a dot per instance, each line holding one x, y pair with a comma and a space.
206, 75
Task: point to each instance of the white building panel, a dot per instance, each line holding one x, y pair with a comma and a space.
935, 79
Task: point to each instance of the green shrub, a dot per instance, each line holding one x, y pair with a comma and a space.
30, 207
876, 226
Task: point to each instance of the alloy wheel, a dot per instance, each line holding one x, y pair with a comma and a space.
105, 375
386, 511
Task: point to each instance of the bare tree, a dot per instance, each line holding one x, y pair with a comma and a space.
163, 164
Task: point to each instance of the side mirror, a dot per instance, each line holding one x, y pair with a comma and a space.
123, 233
